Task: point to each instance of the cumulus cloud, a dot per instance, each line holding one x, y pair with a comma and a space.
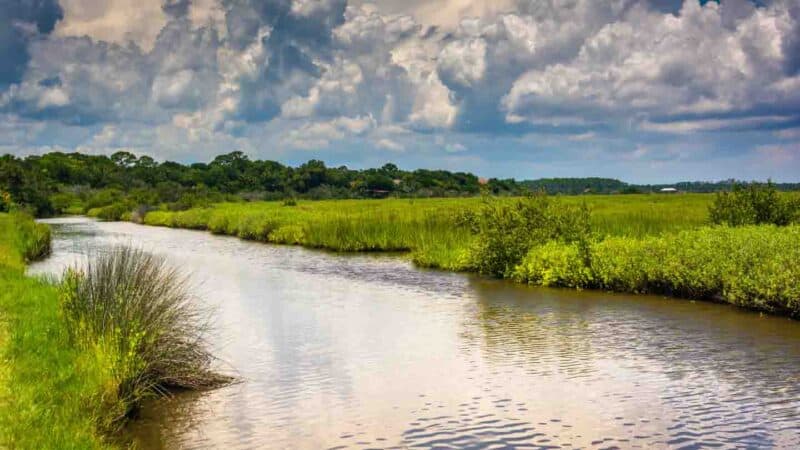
117, 21
21, 22
315, 72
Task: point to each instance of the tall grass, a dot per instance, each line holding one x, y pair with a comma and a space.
137, 308
430, 229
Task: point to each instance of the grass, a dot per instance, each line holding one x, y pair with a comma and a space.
427, 228
48, 390
740, 266
140, 308
78, 357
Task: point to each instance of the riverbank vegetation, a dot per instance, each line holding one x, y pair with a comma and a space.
78, 356
664, 244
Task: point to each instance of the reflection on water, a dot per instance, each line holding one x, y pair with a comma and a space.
369, 352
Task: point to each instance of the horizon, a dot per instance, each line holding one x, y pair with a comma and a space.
648, 91
412, 169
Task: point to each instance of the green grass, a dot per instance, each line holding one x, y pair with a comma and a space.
51, 394
67, 383
740, 266
427, 228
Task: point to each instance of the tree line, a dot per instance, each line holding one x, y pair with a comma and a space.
65, 182
56, 183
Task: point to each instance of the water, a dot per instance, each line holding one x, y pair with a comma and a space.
370, 352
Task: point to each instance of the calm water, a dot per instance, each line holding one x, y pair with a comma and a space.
369, 352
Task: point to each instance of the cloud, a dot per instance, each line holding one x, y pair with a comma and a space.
388, 144
117, 21
21, 22
667, 67
501, 78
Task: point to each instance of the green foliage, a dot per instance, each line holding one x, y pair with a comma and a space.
50, 393
60, 182
754, 204
138, 309
753, 267
24, 237
555, 264
507, 231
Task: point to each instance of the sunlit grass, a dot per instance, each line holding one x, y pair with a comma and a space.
427, 228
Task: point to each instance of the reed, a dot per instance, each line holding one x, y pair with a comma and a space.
139, 310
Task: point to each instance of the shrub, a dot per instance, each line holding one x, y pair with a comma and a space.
5, 201
507, 231
555, 264
135, 309
754, 204
115, 211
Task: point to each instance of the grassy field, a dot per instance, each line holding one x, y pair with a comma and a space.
429, 229
743, 266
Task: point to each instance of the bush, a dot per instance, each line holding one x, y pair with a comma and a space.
507, 231
138, 311
555, 264
5, 201
754, 267
114, 212
754, 204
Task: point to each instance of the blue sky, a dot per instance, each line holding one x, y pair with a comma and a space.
644, 91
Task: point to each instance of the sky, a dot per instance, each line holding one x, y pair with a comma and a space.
646, 91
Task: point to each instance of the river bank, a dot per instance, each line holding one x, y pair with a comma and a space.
51, 394
637, 244
79, 355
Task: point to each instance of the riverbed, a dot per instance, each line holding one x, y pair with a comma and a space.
367, 351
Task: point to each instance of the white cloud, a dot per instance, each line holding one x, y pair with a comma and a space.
118, 21
388, 144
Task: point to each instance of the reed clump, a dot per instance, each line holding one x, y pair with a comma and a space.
135, 311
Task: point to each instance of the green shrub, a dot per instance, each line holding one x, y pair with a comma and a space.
138, 311
507, 231
754, 267
754, 204
555, 264
115, 211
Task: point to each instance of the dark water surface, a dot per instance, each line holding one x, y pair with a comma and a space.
370, 352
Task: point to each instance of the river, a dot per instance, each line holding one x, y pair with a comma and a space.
367, 351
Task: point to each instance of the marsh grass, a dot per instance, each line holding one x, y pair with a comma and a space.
139, 310
614, 243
